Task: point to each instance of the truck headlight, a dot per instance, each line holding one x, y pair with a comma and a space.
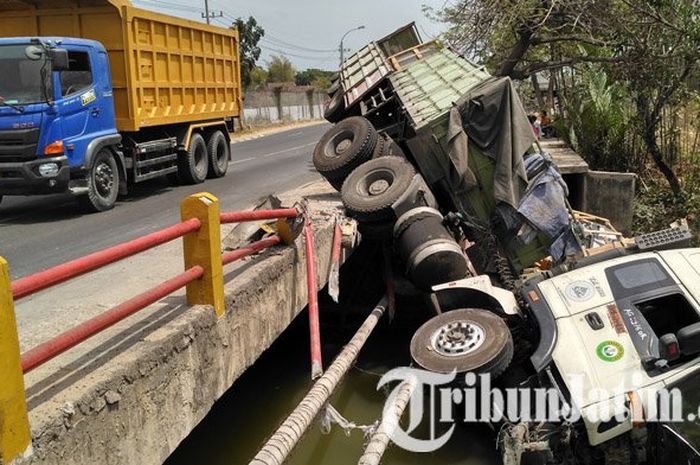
54, 148
48, 170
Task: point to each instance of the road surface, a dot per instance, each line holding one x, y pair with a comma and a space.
39, 232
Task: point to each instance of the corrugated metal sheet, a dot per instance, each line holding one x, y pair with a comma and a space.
428, 87
362, 71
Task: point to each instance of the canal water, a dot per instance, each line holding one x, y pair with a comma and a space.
261, 399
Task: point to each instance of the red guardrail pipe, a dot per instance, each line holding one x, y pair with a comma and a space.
74, 336
69, 270
312, 291
255, 215
262, 244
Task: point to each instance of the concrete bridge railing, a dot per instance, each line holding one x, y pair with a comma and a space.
203, 279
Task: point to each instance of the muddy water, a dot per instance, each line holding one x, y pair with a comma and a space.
241, 421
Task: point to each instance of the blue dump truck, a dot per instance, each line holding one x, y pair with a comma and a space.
96, 98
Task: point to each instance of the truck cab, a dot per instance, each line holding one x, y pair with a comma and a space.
56, 113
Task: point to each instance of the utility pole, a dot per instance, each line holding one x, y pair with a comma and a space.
341, 49
209, 16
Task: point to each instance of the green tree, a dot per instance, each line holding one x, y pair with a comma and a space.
280, 69
313, 77
258, 78
651, 47
250, 34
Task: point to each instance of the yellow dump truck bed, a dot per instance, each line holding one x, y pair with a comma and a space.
165, 70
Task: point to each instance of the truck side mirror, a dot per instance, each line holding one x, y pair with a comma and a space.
689, 339
34, 52
59, 59
669, 348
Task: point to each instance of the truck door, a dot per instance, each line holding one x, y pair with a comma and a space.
81, 104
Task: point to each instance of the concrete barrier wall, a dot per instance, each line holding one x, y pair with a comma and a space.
266, 107
610, 195
137, 407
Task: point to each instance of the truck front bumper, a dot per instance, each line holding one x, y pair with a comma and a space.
25, 178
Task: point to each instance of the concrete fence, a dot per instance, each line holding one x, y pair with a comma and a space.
275, 105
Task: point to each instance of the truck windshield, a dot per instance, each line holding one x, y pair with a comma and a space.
20, 77
689, 429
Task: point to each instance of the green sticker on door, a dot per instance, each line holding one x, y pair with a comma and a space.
610, 351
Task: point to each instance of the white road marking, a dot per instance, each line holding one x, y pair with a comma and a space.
267, 155
242, 160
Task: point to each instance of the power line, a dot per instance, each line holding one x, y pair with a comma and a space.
284, 43
269, 43
291, 54
176, 6
277, 42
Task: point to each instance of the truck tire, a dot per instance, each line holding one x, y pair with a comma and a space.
371, 189
343, 148
194, 165
387, 147
333, 88
219, 152
382, 147
103, 183
335, 108
465, 340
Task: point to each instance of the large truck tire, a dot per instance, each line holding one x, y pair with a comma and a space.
387, 147
372, 188
335, 108
194, 165
333, 88
219, 152
464, 340
103, 183
343, 148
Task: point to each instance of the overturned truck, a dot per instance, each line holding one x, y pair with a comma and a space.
436, 157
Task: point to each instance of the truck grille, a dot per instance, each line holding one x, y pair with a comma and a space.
18, 145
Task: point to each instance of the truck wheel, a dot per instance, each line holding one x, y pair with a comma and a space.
372, 188
219, 152
103, 184
333, 88
343, 148
193, 167
335, 108
465, 340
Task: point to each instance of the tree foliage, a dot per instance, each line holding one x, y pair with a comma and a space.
314, 77
258, 78
249, 33
650, 47
280, 69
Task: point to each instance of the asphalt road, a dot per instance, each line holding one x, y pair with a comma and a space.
39, 232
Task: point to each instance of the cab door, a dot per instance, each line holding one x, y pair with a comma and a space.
80, 103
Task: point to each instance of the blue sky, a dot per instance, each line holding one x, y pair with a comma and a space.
309, 31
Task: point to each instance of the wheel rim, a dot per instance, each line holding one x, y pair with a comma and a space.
104, 179
339, 144
458, 338
376, 183
378, 187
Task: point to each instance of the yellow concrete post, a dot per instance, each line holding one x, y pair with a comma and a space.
203, 248
15, 438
